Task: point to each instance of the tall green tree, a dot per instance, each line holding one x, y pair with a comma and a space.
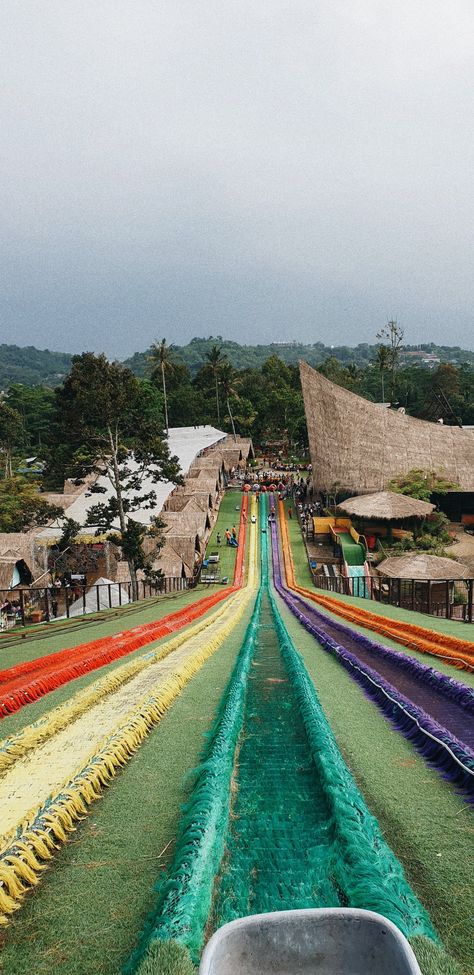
12, 435
391, 338
216, 360
35, 404
161, 357
111, 426
22, 507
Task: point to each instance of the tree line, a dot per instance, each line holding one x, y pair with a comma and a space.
265, 402
102, 414
31, 366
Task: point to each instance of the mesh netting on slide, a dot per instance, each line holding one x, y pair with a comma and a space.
436, 705
275, 815
32, 679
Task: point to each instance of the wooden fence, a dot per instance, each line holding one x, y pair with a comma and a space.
38, 604
449, 598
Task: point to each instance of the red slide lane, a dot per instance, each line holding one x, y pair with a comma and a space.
32, 679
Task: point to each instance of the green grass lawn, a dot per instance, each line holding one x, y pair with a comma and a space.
300, 558
87, 913
427, 825
147, 613
31, 712
229, 515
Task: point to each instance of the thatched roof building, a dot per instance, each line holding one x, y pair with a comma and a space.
177, 501
386, 506
203, 480
17, 558
212, 463
178, 557
205, 498
362, 446
422, 566
190, 519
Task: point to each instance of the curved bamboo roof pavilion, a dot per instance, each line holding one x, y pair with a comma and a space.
363, 445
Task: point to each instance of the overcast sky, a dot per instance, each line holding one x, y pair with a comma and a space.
260, 169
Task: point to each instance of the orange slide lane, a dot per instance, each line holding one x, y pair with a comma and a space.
28, 681
458, 653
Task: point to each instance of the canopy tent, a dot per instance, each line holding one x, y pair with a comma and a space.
108, 594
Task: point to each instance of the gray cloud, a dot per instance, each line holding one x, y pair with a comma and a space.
269, 170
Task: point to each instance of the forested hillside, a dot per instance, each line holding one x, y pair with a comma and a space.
193, 355
32, 366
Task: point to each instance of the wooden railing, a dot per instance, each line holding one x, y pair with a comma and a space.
38, 604
449, 598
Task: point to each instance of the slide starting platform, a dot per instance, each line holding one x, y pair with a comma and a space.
354, 557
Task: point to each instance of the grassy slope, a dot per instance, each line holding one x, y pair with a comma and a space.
229, 515
87, 913
145, 614
38, 643
426, 824
31, 712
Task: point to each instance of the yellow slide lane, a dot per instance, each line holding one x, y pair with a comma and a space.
77, 759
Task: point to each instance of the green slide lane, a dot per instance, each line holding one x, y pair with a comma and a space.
280, 841
276, 820
353, 552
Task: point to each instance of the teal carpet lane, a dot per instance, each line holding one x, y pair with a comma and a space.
275, 820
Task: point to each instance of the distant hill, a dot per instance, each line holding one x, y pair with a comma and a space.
193, 355
34, 367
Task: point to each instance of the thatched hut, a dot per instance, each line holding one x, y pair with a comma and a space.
178, 557
428, 584
189, 519
203, 480
18, 565
386, 506
212, 464
380, 512
422, 565
206, 498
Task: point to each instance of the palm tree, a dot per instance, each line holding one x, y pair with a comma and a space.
216, 360
229, 383
161, 357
